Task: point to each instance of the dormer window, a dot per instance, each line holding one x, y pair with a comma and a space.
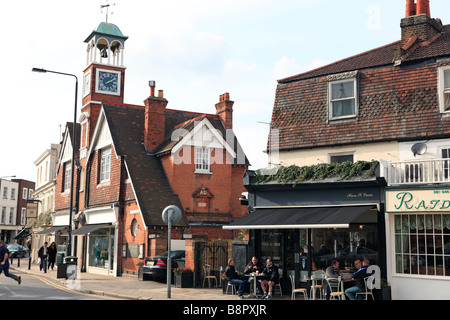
343, 99
342, 95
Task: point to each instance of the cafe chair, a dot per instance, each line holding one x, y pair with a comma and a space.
277, 285
336, 287
233, 288
208, 276
369, 282
298, 290
319, 277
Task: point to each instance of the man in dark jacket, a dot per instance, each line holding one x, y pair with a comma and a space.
233, 278
271, 277
42, 254
358, 276
255, 266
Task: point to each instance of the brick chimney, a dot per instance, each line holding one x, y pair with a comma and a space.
225, 110
155, 119
418, 26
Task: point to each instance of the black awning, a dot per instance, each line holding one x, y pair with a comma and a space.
52, 230
89, 228
300, 218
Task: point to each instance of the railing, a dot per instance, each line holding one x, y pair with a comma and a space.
419, 172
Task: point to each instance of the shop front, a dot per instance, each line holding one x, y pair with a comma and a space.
99, 250
302, 227
418, 227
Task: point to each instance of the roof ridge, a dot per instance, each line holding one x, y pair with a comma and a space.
291, 78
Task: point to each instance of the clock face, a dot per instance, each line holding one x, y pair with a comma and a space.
108, 82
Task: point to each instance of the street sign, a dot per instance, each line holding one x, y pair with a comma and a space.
171, 214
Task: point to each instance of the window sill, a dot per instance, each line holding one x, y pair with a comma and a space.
202, 172
105, 183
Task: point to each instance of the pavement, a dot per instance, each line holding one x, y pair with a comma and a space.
125, 287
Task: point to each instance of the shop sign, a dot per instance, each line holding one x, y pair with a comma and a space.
418, 200
32, 210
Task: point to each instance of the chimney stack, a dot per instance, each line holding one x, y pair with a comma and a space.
225, 110
155, 119
418, 26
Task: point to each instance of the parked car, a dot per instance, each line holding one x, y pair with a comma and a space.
17, 250
348, 255
156, 267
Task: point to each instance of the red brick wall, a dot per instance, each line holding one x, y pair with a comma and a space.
107, 192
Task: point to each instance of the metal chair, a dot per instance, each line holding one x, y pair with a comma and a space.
319, 276
336, 287
298, 290
207, 271
233, 288
369, 282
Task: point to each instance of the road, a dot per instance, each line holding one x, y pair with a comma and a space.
39, 288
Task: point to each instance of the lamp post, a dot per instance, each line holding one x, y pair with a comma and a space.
74, 137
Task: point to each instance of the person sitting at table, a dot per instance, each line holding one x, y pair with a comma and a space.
233, 278
271, 277
332, 272
254, 266
358, 277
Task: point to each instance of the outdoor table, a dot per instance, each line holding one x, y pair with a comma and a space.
313, 285
255, 275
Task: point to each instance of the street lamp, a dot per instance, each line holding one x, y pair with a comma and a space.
74, 137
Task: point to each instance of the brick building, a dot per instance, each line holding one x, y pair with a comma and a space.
391, 105
135, 160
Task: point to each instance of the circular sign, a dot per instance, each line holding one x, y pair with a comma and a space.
172, 213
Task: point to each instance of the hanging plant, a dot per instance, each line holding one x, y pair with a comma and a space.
295, 174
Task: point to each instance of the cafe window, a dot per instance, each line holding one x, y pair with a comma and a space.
422, 244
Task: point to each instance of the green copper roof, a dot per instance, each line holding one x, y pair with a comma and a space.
110, 29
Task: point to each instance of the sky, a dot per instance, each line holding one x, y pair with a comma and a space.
195, 51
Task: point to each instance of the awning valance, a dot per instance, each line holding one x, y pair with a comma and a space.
52, 230
300, 218
89, 228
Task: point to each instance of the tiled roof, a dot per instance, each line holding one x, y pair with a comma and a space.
381, 56
152, 188
394, 102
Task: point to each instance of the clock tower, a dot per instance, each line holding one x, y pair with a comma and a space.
103, 78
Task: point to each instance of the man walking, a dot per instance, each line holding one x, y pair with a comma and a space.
4, 263
42, 254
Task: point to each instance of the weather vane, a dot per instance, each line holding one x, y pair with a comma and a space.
107, 5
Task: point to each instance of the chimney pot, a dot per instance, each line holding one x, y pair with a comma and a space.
152, 84
160, 93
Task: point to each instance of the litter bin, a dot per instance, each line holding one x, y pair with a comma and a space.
71, 267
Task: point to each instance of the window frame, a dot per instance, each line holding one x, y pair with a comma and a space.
331, 83
202, 160
441, 88
105, 167
67, 176
407, 246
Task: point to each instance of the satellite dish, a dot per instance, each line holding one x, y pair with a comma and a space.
172, 213
419, 148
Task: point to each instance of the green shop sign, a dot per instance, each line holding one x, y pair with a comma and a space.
418, 201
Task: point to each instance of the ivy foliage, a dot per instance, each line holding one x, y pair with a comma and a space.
295, 174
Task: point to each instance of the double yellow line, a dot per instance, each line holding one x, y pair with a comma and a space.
58, 286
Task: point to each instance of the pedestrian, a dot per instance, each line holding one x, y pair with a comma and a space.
4, 265
271, 278
233, 278
51, 255
42, 254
